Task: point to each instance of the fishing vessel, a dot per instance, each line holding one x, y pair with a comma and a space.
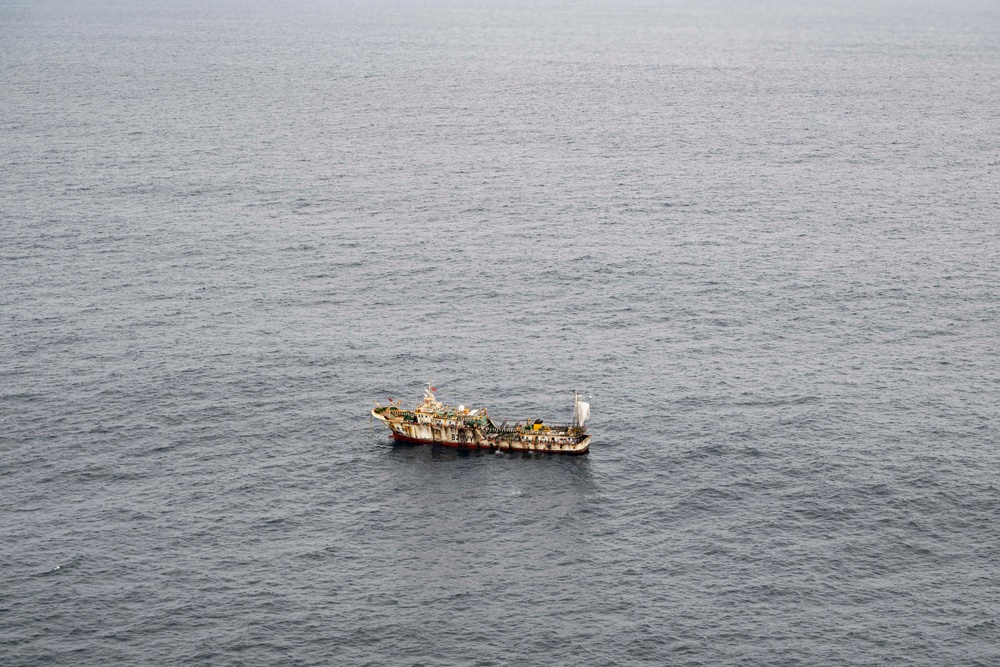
433, 422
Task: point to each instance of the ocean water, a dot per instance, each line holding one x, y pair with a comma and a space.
763, 236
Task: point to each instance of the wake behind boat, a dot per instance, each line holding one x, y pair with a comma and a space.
433, 422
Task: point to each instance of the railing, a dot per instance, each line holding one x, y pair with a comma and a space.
526, 426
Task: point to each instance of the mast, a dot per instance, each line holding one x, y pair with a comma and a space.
581, 410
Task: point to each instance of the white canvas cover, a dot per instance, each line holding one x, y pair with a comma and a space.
582, 412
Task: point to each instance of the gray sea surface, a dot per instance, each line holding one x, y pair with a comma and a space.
763, 236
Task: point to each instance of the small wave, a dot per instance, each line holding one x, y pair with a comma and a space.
60, 568
26, 397
987, 627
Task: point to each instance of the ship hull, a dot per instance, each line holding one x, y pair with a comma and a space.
475, 439
582, 447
